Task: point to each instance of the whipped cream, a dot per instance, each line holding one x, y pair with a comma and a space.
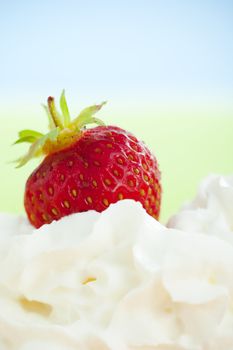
116, 280
211, 212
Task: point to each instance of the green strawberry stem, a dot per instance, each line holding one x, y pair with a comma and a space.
63, 131
54, 113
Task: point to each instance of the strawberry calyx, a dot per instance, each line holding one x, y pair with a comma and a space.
63, 131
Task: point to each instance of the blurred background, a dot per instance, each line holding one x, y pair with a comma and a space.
165, 68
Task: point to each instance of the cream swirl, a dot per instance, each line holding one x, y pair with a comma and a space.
110, 281
211, 212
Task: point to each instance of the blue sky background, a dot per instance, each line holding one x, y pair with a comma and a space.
159, 51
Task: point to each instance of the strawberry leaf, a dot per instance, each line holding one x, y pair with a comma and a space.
36, 149
64, 109
86, 116
63, 131
29, 139
28, 132
29, 136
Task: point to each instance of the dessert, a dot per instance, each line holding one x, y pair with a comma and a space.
104, 281
113, 279
211, 212
86, 169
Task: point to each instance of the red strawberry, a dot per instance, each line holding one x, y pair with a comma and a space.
87, 169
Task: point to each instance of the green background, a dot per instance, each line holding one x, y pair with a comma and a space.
189, 142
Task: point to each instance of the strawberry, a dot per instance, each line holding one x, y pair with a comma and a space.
86, 169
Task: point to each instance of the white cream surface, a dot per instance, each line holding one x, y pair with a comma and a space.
211, 212
116, 280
